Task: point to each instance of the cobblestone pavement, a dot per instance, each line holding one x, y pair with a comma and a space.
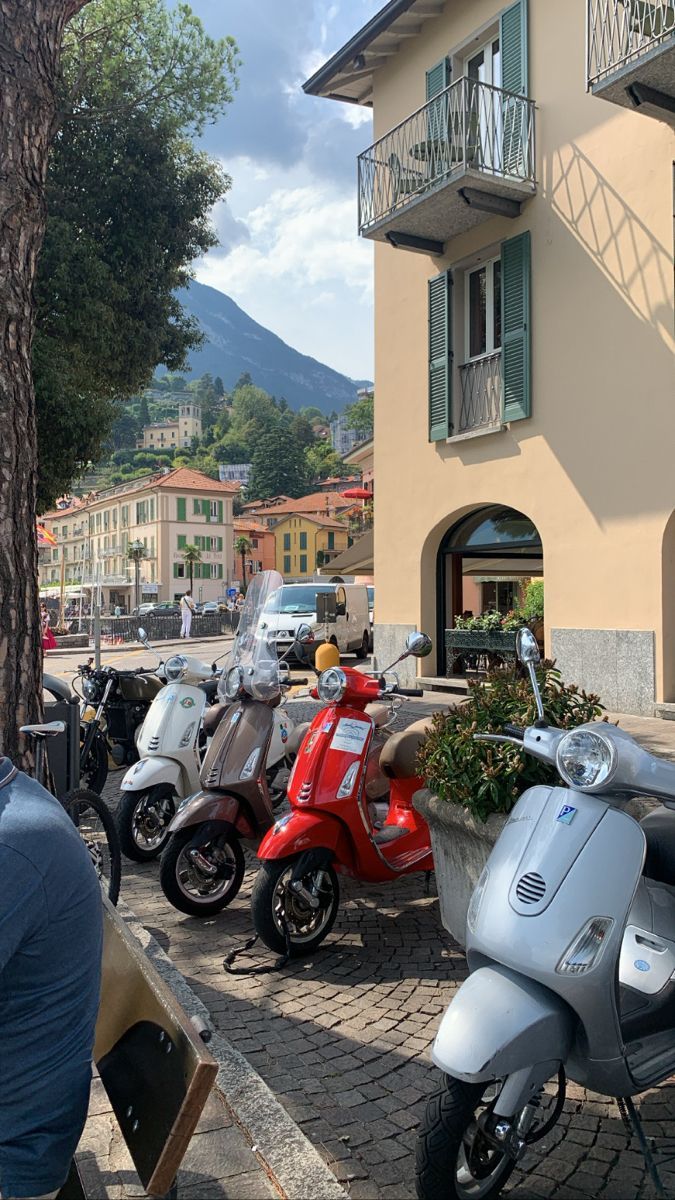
343, 1040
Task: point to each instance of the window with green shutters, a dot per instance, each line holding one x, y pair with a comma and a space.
196, 506
303, 564
182, 541
287, 564
440, 356
331, 541
516, 348
513, 43
287, 541
303, 541
180, 509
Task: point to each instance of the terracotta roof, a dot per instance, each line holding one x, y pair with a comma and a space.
250, 525
184, 478
317, 502
58, 513
316, 519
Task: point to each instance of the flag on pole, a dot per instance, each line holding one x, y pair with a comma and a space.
44, 537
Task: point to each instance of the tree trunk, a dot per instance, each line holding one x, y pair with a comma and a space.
191, 566
30, 42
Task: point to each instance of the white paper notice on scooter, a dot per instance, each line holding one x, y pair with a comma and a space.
350, 735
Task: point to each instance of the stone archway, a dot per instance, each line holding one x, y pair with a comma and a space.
482, 561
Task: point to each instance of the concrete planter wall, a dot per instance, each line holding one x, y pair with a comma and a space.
461, 847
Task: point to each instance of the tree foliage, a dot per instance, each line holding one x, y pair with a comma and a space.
360, 416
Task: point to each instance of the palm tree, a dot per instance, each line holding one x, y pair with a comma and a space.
137, 551
242, 547
191, 555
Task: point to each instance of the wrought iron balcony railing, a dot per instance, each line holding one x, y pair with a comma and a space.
481, 402
620, 31
470, 125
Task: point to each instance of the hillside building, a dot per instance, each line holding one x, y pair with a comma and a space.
177, 434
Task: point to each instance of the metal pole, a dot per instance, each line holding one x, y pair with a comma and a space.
97, 634
137, 565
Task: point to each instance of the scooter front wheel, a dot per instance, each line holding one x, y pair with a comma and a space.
201, 880
454, 1161
143, 820
276, 903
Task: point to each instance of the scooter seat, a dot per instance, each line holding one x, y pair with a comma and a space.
297, 737
659, 829
212, 718
399, 754
209, 687
378, 713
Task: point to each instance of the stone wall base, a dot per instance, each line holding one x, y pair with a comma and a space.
617, 664
388, 643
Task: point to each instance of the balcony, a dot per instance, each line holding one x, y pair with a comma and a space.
631, 54
463, 157
480, 408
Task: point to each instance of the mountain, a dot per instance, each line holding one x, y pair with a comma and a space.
235, 343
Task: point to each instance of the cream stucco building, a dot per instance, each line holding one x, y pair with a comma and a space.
165, 512
177, 434
519, 193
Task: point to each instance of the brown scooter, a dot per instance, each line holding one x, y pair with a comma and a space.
202, 866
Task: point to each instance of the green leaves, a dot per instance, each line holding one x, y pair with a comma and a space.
487, 777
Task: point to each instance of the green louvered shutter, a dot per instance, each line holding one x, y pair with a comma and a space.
220, 512
513, 44
196, 506
437, 79
180, 508
440, 356
206, 509
220, 545
182, 541
516, 326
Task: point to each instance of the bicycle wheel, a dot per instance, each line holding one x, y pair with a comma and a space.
91, 815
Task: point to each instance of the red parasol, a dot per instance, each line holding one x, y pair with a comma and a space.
357, 494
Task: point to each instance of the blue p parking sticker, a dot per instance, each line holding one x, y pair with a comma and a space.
567, 814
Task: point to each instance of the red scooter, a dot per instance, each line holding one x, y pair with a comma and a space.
351, 792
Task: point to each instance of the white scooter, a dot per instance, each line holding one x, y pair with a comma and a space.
571, 948
171, 744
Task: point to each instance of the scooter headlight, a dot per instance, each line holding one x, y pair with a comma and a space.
91, 689
175, 667
586, 760
331, 685
232, 683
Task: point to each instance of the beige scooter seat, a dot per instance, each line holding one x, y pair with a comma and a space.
399, 753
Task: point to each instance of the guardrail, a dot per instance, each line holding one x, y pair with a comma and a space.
619, 31
162, 628
468, 124
481, 404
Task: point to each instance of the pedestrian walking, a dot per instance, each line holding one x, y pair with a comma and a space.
187, 608
48, 639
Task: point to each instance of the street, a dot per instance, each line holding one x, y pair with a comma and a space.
64, 663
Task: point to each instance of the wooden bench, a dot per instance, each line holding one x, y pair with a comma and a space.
152, 1062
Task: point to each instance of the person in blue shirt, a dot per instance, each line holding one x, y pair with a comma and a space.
50, 978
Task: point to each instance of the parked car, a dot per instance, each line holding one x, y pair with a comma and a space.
211, 606
167, 607
144, 608
349, 629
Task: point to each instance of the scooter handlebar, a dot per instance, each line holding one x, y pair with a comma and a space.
514, 731
399, 691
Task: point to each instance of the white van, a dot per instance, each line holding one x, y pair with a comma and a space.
348, 626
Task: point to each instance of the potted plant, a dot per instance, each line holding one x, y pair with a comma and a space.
472, 786
533, 608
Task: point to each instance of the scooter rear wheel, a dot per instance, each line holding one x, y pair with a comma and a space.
191, 891
273, 903
453, 1161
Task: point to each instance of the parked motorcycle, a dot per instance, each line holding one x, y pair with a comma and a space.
245, 771
120, 700
571, 948
351, 795
171, 746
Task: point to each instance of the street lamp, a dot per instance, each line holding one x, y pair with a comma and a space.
136, 553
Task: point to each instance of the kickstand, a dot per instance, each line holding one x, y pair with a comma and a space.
631, 1119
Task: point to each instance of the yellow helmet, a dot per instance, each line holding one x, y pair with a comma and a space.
327, 655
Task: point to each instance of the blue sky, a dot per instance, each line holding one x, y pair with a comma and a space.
289, 253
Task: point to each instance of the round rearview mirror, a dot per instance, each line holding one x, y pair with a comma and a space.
304, 634
526, 646
142, 635
418, 644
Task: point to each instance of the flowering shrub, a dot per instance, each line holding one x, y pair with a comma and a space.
486, 777
492, 621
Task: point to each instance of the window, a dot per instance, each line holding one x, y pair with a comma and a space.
125, 515
303, 564
331, 541
287, 541
215, 509
287, 564
483, 309
142, 512
180, 508
179, 570
303, 541
254, 544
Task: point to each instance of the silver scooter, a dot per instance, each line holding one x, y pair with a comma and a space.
571, 948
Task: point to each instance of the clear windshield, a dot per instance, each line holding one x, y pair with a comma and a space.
296, 601
252, 650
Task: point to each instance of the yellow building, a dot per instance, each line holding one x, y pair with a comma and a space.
165, 512
304, 543
171, 435
519, 195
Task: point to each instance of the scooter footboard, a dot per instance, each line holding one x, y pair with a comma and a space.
500, 1023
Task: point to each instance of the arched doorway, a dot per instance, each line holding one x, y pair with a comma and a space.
484, 560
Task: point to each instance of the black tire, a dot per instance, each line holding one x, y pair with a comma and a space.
143, 820
448, 1152
94, 771
270, 895
364, 648
180, 880
92, 817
